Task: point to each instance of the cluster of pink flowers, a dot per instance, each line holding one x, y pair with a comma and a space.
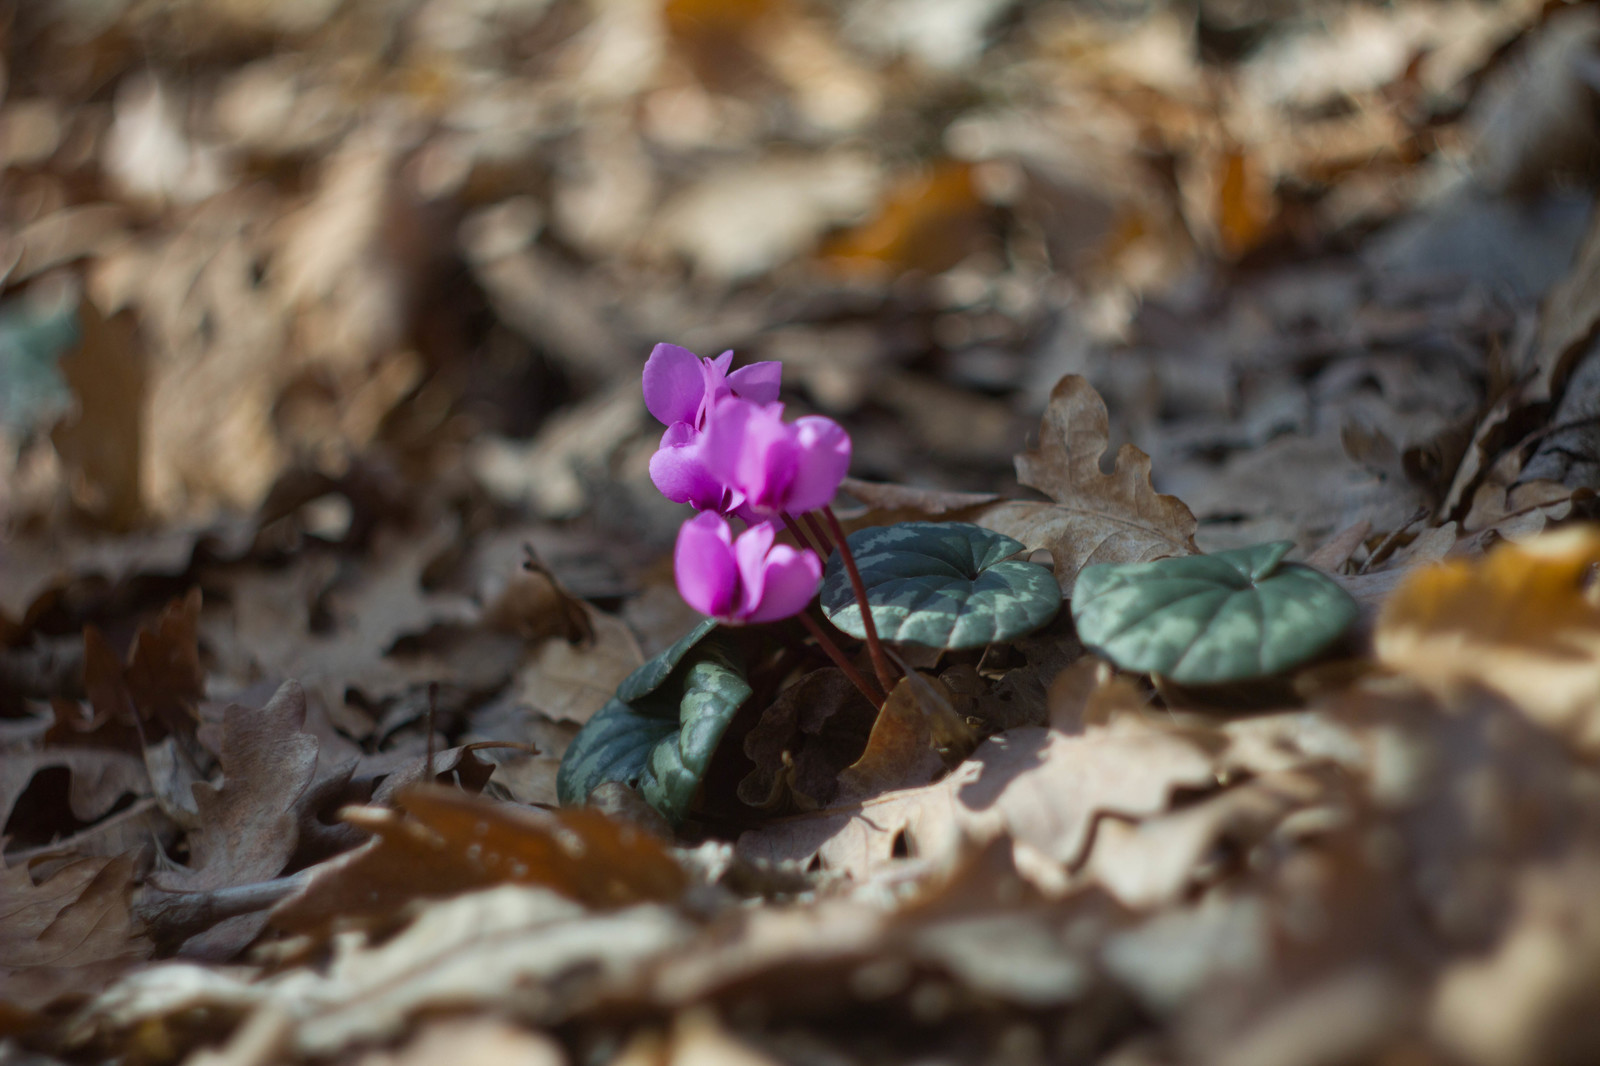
728, 451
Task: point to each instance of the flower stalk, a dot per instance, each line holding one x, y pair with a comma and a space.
880, 664
868, 689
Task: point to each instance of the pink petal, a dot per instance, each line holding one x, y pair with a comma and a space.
674, 384
822, 461
788, 585
752, 451
750, 552
703, 562
758, 382
678, 469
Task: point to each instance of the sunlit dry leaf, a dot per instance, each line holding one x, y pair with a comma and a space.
1151, 863
1042, 787
447, 842
1528, 999
514, 948
1096, 517
739, 221
571, 681
1522, 621
483, 1040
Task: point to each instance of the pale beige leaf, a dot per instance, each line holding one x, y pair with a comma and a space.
1041, 787
1096, 517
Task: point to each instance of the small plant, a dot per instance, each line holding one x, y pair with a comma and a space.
729, 454
1209, 619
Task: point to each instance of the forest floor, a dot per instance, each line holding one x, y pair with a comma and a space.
329, 524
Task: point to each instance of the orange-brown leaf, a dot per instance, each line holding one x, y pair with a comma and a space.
447, 841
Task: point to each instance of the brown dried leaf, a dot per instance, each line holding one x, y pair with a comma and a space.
1096, 517
1530, 999
447, 842
900, 752
249, 826
571, 681
1042, 787
102, 443
58, 936
886, 504
480, 1040
99, 779
814, 729
1153, 862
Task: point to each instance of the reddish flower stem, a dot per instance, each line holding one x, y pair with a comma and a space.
818, 532
880, 664
868, 689
800, 535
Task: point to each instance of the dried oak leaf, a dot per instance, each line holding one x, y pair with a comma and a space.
900, 750
1042, 787
59, 937
570, 681
162, 683
447, 842
814, 729
97, 779
1095, 517
249, 825
1523, 621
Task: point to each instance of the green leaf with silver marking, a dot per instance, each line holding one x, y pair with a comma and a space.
713, 690
659, 733
1207, 619
940, 584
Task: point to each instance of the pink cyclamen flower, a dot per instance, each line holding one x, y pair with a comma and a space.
746, 580
680, 390
776, 466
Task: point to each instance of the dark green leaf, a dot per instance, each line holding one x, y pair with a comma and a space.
1204, 619
647, 678
941, 584
661, 738
713, 690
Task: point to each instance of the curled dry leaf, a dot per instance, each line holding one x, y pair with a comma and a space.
1095, 517
1523, 621
1042, 787
447, 842
900, 750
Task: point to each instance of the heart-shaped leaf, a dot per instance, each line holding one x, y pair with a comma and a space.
649, 676
660, 731
941, 584
1203, 619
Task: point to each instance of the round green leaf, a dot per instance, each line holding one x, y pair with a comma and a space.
1203, 619
941, 584
662, 741
647, 678
713, 690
